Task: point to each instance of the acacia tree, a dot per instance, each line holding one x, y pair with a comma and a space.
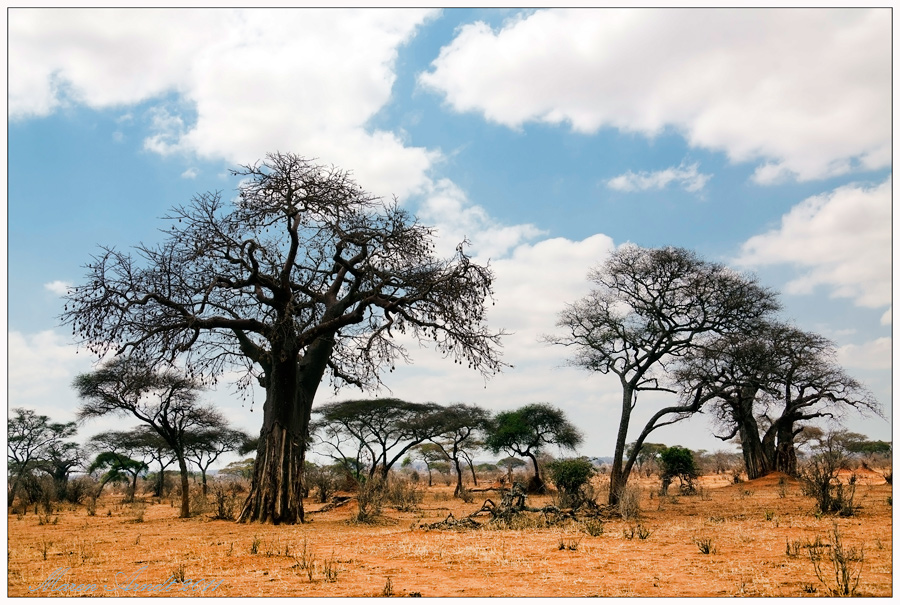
649, 307
121, 456
380, 431
434, 457
34, 443
303, 273
461, 431
164, 400
527, 431
204, 445
150, 446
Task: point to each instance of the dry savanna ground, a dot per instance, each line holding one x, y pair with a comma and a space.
756, 534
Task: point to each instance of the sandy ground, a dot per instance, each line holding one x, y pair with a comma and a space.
748, 526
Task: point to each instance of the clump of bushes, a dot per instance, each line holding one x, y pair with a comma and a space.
678, 462
571, 477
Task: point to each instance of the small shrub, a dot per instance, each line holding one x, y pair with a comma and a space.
402, 495
198, 502
705, 545
630, 503
254, 546
642, 532
678, 462
92, 506
842, 578
329, 570
388, 590
324, 480
370, 499
593, 526
179, 573
137, 512
792, 548
570, 475
225, 499
45, 545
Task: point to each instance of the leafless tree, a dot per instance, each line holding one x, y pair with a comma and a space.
650, 307
303, 273
768, 384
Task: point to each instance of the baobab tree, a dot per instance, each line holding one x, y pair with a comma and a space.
767, 384
648, 308
303, 273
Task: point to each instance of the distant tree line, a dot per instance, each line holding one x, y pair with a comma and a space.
175, 429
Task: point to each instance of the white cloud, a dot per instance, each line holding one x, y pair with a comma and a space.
60, 288
806, 91
873, 355
840, 239
687, 177
886, 319
190, 173
447, 208
531, 286
246, 82
41, 366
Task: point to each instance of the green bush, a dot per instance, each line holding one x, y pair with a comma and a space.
570, 475
677, 461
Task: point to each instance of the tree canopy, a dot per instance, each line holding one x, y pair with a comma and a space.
528, 430
303, 273
647, 309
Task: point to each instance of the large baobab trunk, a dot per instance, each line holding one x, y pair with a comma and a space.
785, 455
756, 463
276, 491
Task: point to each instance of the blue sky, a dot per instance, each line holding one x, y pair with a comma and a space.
759, 138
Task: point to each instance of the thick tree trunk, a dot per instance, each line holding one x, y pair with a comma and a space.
617, 477
536, 485
472, 468
203, 478
276, 489
785, 454
756, 463
185, 488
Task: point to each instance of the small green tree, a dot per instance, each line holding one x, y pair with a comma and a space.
677, 461
570, 475
118, 468
527, 431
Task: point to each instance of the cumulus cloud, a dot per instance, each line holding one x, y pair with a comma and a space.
41, 366
190, 173
245, 82
873, 355
807, 92
688, 178
840, 240
60, 288
532, 284
456, 218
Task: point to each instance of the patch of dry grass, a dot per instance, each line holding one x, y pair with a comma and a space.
346, 559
